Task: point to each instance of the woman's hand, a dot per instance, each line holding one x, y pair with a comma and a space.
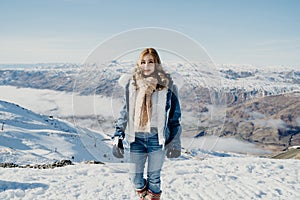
173, 153
118, 149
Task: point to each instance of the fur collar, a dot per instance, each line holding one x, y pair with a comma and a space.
177, 79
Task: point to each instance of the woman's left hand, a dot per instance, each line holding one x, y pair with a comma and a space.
173, 153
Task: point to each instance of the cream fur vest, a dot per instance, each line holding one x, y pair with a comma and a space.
159, 99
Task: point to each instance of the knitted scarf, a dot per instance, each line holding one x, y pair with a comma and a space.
143, 104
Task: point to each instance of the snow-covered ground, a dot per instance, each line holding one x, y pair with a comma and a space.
212, 168
31, 138
213, 178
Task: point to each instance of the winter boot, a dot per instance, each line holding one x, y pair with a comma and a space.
142, 192
151, 196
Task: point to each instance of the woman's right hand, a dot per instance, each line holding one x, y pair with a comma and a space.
118, 148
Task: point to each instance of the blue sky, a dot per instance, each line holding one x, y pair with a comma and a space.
260, 32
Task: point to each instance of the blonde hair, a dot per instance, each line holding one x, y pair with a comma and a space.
163, 78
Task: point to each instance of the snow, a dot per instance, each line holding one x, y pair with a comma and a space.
213, 178
209, 168
259, 80
30, 138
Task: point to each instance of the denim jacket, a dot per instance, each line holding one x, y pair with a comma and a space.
171, 128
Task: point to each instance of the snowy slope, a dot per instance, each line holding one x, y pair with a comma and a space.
215, 178
29, 138
32, 138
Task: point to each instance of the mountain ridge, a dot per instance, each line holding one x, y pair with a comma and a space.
241, 91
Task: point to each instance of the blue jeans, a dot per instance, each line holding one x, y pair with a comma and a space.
146, 146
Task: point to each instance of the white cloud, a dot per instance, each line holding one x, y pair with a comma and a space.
273, 123
34, 50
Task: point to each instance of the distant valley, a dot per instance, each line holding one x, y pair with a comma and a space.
256, 104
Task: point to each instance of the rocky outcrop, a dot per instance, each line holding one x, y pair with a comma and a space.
61, 163
273, 120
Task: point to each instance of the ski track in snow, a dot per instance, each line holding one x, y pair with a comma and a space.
212, 178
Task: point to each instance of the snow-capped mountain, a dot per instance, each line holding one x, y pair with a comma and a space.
212, 100
90, 79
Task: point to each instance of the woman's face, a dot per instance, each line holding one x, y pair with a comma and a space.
147, 64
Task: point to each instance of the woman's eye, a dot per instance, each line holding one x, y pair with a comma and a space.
150, 61
143, 62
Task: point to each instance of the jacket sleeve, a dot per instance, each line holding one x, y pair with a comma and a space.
121, 122
174, 125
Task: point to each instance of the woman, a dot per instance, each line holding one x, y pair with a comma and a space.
149, 122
